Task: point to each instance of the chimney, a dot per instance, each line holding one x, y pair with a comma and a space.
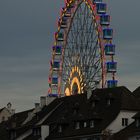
42, 101
37, 107
13, 111
9, 106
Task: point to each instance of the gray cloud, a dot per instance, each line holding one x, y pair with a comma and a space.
26, 36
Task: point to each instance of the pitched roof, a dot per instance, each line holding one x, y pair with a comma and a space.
1, 109
127, 132
127, 100
137, 115
44, 111
136, 92
19, 118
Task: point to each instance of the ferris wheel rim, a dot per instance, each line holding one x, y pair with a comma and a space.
96, 16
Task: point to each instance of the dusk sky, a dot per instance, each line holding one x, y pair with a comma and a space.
26, 37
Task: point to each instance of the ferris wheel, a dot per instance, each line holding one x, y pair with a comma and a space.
83, 50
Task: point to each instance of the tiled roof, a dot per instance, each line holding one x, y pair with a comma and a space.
136, 92
45, 110
1, 109
79, 108
19, 118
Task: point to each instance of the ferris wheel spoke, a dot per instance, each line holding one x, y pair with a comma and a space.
95, 67
95, 73
93, 54
90, 52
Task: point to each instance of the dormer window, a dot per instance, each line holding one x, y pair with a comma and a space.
77, 125
36, 131
59, 128
91, 123
137, 122
124, 121
52, 127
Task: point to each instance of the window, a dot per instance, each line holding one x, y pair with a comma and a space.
36, 131
137, 122
138, 138
91, 124
124, 121
59, 128
3, 118
85, 124
77, 125
93, 104
12, 134
108, 102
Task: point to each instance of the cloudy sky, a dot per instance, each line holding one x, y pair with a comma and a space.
26, 37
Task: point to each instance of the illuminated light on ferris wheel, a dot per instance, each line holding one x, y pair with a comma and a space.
83, 50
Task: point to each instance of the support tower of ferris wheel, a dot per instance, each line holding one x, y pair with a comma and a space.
83, 50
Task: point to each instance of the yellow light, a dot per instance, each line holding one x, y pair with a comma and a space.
76, 80
67, 92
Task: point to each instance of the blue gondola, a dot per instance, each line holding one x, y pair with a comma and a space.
112, 83
101, 8
60, 36
111, 67
109, 49
56, 65
53, 95
104, 19
97, 1
64, 22
108, 33
57, 50
54, 80
68, 12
